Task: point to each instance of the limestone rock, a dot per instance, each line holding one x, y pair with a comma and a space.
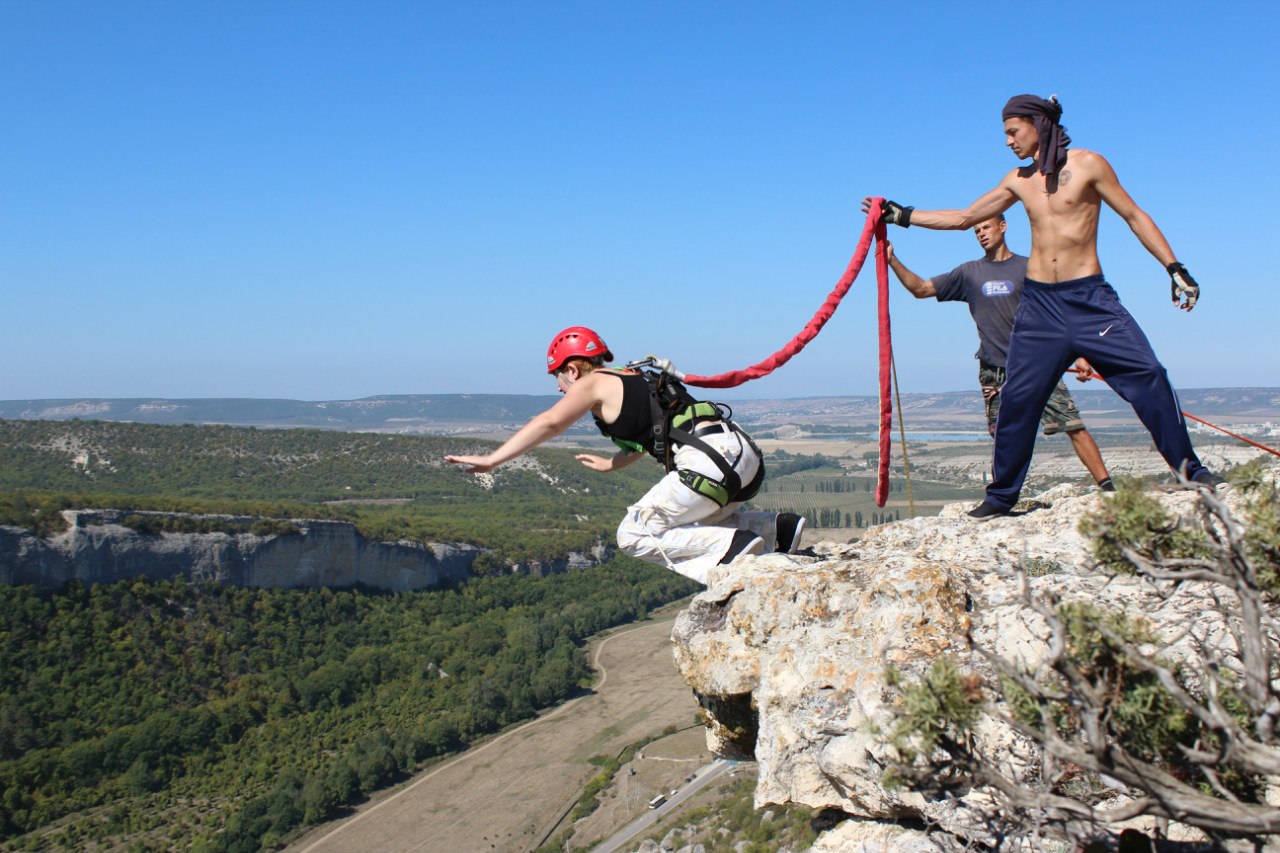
786, 654
868, 836
98, 548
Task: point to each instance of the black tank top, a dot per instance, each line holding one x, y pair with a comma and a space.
634, 424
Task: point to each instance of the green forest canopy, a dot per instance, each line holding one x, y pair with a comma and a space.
172, 712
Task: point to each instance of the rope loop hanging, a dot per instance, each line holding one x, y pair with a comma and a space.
872, 230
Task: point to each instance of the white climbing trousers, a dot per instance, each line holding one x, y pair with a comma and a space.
675, 526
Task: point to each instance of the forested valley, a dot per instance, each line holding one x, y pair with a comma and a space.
217, 718
170, 715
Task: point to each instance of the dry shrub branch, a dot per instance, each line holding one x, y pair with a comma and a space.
1125, 715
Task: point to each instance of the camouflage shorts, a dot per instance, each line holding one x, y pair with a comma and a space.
1060, 413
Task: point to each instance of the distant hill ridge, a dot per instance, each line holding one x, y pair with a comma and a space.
407, 413
457, 413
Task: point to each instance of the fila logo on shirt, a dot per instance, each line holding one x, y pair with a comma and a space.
997, 288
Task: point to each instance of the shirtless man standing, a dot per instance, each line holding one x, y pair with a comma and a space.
992, 288
1068, 310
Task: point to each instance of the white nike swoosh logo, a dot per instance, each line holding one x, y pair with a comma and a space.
1104, 331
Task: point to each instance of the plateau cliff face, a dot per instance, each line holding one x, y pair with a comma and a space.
786, 654
97, 548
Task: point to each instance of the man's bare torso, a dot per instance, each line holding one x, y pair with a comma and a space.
1063, 212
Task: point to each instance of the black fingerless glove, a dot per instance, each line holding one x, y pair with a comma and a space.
1182, 286
895, 214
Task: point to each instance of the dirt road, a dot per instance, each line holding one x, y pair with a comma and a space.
505, 794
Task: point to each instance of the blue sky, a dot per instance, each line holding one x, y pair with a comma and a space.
330, 200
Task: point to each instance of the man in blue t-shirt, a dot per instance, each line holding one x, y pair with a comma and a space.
992, 286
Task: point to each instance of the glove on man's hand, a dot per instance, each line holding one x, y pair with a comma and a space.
895, 214
1182, 286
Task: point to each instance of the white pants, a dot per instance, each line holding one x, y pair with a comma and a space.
674, 526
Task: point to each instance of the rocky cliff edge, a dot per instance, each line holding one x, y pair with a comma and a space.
786, 654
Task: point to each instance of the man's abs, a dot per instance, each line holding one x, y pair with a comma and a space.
1064, 223
1064, 244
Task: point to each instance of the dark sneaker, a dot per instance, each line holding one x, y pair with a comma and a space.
987, 511
1106, 485
790, 528
744, 542
1205, 477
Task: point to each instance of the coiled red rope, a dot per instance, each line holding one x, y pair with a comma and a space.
874, 229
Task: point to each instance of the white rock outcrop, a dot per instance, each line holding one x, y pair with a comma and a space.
98, 548
786, 654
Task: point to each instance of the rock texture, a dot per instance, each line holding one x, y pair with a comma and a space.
786, 654
97, 548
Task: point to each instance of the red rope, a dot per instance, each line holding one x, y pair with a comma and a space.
1271, 450
733, 378
873, 229
1232, 434
886, 361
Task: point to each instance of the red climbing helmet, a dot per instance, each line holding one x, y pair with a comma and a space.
575, 341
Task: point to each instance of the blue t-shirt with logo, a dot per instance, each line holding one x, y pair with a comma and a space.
993, 290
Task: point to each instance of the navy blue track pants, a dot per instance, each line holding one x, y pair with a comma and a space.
1055, 325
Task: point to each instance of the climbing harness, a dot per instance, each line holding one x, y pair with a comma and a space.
678, 419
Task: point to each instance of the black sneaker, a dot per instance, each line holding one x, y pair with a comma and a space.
1106, 485
1205, 477
986, 511
790, 528
744, 542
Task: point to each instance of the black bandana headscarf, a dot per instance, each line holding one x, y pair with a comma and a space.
1045, 115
